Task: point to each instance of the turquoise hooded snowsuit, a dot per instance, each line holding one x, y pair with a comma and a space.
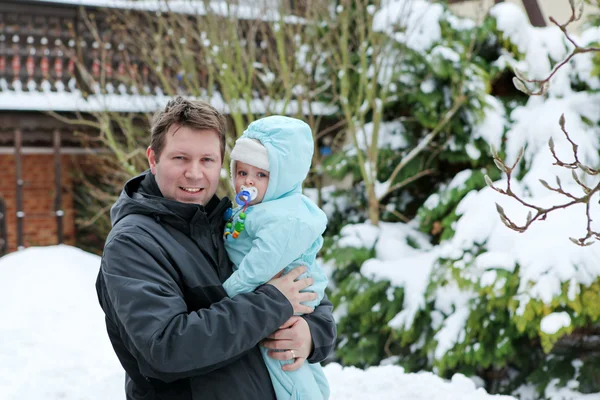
282, 232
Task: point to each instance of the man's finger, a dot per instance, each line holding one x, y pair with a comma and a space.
307, 296
295, 365
281, 355
305, 309
304, 283
296, 272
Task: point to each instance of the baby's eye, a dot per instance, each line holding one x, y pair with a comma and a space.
242, 173
262, 175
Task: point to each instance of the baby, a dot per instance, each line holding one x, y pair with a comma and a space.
276, 228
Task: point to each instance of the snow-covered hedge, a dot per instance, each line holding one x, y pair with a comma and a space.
454, 289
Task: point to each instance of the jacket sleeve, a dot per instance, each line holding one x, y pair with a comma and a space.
277, 243
322, 330
174, 342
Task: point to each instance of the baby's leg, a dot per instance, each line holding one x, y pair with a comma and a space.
320, 378
302, 384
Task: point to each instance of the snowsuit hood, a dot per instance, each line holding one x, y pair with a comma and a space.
290, 147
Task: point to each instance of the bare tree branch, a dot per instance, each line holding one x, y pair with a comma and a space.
519, 79
542, 212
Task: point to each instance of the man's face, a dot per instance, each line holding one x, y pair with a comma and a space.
189, 166
250, 176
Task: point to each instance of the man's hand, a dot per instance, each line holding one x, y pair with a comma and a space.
291, 288
293, 335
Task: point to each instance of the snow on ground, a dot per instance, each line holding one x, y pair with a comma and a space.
54, 344
390, 382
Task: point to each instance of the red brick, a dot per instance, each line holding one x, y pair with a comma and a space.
39, 223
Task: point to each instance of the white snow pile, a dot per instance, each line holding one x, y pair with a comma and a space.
54, 343
390, 382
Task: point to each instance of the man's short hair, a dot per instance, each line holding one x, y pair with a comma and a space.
194, 114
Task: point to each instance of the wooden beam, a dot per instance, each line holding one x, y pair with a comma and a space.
58, 188
534, 12
19, 188
3, 232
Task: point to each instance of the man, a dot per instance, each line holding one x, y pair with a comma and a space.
171, 324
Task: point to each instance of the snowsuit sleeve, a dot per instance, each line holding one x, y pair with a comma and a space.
173, 341
277, 243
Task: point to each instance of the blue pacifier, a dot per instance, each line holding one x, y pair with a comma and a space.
251, 190
242, 198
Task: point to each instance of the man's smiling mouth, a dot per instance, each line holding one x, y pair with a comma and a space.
191, 190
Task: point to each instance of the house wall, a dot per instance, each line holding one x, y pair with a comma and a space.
559, 9
39, 223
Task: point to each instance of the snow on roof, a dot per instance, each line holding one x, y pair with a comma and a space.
54, 342
245, 9
16, 99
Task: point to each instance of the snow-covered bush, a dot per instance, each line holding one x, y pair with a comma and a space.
457, 290
414, 125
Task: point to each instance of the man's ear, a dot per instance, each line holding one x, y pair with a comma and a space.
151, 159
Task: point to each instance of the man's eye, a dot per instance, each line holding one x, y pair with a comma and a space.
179, 158
207, 159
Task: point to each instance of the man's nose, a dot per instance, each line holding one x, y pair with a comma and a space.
195, 171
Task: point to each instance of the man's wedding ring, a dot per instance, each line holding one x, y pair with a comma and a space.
293, 354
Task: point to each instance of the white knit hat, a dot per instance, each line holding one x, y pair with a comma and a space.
250, 151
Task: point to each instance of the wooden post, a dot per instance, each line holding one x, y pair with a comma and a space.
534, 12
19, 187
58, 187
3, 233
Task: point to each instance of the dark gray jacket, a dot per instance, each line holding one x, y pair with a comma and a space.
171, 324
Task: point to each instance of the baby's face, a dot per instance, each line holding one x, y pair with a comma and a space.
250, 176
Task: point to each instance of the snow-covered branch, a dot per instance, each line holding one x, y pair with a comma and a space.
542, 212
520, 78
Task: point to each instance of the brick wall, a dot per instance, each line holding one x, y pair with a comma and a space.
39, 223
